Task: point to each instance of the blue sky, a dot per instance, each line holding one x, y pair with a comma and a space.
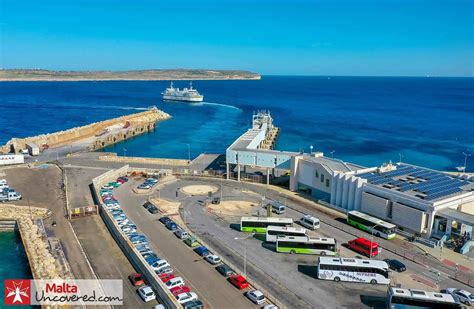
331, 37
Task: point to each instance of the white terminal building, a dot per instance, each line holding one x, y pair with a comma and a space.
416, 199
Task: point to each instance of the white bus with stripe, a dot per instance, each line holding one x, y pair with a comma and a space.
353, 270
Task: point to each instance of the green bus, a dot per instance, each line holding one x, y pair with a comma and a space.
260, 224
370, 224
306, 245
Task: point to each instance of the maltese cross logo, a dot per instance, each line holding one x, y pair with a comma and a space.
17, 292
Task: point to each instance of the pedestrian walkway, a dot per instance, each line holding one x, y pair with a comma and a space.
454, 260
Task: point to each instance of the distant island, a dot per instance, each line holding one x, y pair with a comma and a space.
177, 74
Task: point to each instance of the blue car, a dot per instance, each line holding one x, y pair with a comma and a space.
202, 251
151, 260
170, 225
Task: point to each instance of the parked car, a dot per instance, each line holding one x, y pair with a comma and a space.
164, 220
107, 187
178, 281
195, 304
159, 264
171, 225
202, 251
146, 293
180, 289
113, 184
238, 281
256, 297
270, 306
396, 265
213, 259
191, 241
225, 270
136, 279
164, 270
150, 255
166, 277
464, 296
186, 297
153, 210
182, 234
144, 187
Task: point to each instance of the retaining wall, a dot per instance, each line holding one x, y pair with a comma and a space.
163, 294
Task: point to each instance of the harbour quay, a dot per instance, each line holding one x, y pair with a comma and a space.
89, 137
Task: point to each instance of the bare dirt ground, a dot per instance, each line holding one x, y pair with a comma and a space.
169, 209
234, 208
199, 189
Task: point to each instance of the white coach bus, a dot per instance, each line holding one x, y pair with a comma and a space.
353, 270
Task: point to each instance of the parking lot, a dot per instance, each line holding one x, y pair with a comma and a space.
106, 258
198, 274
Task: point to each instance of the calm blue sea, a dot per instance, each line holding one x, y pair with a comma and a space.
13, 261
366, 120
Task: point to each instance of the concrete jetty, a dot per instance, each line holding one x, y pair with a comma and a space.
93, 136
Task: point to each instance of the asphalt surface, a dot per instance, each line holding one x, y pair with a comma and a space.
105, 257
198, 274
42, 187
290, 277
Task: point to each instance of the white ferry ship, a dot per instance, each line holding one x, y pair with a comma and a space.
185, 95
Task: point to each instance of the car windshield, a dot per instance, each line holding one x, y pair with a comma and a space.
260, 297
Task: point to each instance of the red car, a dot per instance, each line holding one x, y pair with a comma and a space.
136, 279
238, 281
180, 289
166, 277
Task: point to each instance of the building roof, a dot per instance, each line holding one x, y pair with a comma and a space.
419, 182
457, 215
334, 165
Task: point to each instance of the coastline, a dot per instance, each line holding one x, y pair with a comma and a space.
137, 75
117, 79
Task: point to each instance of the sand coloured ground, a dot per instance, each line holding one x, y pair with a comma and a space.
234, 208
170, 209
199, 189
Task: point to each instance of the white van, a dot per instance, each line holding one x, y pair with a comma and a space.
3, 182
178, 281
277, 208
310, 222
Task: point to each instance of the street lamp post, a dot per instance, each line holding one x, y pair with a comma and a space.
400, 156
332, 154
189, 153
465, 160
124, 152
245, 251
311, 149
372, 240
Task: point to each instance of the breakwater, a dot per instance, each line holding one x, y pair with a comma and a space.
93, 136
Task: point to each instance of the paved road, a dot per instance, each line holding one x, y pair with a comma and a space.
348, 232
105, 256
41, 187
290, 276
211, 287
